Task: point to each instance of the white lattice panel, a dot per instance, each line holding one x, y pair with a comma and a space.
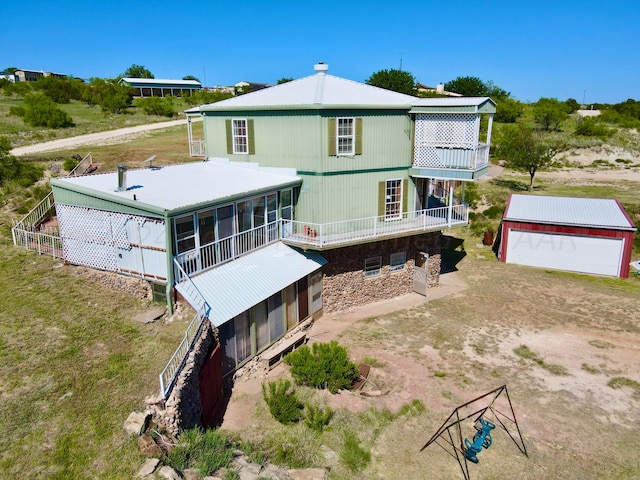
92, 237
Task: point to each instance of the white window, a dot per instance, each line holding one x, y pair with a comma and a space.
397, 261
240, 136
346, 136
393, 200
372, 266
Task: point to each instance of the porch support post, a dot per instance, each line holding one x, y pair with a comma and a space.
169, 248
489, 130
450, 204
190, 135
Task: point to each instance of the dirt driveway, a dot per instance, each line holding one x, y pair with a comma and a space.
580, 331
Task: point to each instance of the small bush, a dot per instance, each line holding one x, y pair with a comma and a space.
590, 127
204, 450
17, 111
282, 401
69, 164
157, 106
325, 365
352, 455
316, 418
41, 111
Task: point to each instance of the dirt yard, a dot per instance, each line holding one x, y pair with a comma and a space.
581, 331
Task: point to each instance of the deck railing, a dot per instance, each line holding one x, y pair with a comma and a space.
428, 155
170, 373
364, 229
83, 166
196, 148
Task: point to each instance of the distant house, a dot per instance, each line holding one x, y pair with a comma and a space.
247, 87
585, 235
439, 89
156, 87
8, 76
23, 75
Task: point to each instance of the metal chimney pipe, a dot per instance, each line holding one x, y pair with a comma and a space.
122, 177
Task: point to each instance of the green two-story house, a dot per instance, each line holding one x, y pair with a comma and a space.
378, 172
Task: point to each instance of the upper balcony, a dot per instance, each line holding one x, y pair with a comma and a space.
452, 138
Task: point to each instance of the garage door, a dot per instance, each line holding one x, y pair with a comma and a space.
565, 252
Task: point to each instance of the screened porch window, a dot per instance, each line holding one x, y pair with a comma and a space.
185, 234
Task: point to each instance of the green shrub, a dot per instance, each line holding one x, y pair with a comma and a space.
69, 164
316, 418
494, 211
41, 111
352, 455
282, 401
204, 450
590, 127
17, 111
157, 106
325, 365
12, 170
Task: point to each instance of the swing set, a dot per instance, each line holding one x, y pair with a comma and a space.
496, 405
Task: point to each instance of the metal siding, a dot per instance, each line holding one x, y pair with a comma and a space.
70, 197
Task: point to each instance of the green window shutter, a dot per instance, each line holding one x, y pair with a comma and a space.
252, 140
358, 136
332, 137
382, 199
405, 194
229, 137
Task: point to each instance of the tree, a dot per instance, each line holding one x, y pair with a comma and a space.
550, 113
41, 111
285, 80
396, 80
523, 150
572, 104
508, 110
468, 87
191, 77
137, 71
112, 97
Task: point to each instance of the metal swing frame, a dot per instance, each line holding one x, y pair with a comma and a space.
451, 428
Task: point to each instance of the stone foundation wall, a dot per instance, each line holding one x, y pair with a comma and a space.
182, 410
344, 284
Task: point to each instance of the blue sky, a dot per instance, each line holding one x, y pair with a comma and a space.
581, 49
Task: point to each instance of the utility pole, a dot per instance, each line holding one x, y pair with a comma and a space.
400, 61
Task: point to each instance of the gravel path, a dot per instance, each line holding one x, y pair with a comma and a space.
93, 138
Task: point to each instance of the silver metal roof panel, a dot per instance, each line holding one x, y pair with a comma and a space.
573, 211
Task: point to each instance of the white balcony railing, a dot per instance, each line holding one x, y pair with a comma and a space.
318, 235
436, 156
196, 148
337, 233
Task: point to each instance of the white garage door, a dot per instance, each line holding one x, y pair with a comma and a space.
565, 252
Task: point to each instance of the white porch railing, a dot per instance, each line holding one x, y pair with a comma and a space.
337, 233
170, 373
196, 148
84, 166
43, 243
428, 155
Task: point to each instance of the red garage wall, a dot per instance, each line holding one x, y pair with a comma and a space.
563, 229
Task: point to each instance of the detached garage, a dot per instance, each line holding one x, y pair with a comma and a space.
586, 235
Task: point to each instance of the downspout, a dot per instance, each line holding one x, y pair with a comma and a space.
168, 240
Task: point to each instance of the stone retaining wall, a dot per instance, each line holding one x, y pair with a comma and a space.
182, 410
345, 286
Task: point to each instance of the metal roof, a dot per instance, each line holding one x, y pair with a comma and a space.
316, 91
187, 185
323, 91
160, 81
580, 212
234, 287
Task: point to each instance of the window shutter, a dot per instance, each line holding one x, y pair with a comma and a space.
358, 136
405, 195
332, 137
229, 137
252, 141
382, 199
